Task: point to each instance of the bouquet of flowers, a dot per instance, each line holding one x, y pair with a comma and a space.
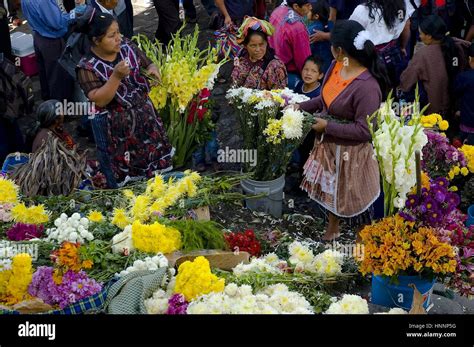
394, 247
441, 159
268, 129
434, 121
244, 241
195, 279
436, 207
275, 299
395, 146
349, 304
188, 75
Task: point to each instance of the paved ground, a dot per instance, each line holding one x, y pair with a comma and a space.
146, 22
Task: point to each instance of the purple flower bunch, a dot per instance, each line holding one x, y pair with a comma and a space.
177, 304
435, 207
73, 287
439, 156
20, 232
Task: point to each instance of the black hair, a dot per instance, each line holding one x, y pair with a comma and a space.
94, 24
343, 35
321, 8
297, 2
435, 27
391, 11
316, 60
269, 54
252, 32
46, 115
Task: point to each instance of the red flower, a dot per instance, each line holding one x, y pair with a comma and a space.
457, 143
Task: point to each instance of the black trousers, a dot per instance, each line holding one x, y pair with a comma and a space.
169, 22
5, 43
55, 82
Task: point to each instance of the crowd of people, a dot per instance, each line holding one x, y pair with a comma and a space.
345, 55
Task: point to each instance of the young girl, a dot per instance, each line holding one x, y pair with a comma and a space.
318, 20
312, 76
341, 174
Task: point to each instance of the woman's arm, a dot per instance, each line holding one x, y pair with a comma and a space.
405, 37
312, 106
221, 6
103, 96
413, 73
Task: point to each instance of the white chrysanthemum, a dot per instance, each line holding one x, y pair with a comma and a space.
349, 304
292, 124
122, 242
158, 303
272, 300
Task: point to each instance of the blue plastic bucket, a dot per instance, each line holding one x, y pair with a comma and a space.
400, 295
470, 216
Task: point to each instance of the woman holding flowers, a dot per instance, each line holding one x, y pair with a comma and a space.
342, 174
126, 127
258, 67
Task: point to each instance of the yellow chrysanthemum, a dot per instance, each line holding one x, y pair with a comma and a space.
20, 279
95, 216
195, 279
443, 125
8, 191
468, 152
139, 210
29, 215
128, 194
155, 238
120, 218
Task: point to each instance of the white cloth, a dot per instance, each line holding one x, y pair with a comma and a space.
379, 33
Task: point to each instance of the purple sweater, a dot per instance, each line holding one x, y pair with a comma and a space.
361, 98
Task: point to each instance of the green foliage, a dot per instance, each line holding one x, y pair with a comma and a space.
106, 263
198, 234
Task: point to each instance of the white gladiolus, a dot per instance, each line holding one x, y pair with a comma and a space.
395, 145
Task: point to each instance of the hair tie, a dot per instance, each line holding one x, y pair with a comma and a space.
92, 16
360, 40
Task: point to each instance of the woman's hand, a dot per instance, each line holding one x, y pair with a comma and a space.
320, 125
153, 71
294, 107
121, 70
319, 36
228, 21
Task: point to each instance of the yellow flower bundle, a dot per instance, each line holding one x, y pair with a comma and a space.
155, 238
468, 152
8, 192
195, 279
29, 215
159, 195
393, 245
434, 120
14, 283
